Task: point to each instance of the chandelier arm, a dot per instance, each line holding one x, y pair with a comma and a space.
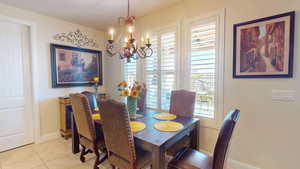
142, 53
135, 54
120, 55
151, 52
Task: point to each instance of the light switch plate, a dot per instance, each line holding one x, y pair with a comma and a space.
284, 95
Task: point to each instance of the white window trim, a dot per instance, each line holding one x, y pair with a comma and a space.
158, 31
219, 16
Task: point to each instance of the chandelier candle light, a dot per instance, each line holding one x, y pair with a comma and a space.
130, 49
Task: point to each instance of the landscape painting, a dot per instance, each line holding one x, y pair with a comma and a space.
74, 66
263, 48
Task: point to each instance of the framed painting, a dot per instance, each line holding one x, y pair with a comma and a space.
73, 66
264, 48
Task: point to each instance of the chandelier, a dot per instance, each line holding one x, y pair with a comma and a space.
126, 46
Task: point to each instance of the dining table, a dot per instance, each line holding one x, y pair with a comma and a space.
150, 139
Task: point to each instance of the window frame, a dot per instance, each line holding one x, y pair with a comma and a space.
219, 17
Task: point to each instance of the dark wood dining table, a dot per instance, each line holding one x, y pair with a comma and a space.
151, 139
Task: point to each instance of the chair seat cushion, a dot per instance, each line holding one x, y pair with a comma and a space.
143, 160
191, 159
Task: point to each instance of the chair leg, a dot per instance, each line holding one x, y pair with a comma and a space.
83, 152
103, 159
97, 162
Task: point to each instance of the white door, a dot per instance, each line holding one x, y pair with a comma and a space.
16, 116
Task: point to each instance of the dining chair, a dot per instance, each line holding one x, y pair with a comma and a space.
191, 159
122, 151
182, 104
92, 99
141, 102
89, 139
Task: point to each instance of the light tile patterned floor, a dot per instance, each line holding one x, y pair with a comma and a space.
53, 154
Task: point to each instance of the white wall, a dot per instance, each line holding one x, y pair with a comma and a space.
267, 134
46, 28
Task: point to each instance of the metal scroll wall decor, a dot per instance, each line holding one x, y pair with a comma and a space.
77, 38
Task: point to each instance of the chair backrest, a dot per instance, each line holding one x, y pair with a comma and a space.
92, 99
82, 114
182, 103
117, 131
141, 102
224, 138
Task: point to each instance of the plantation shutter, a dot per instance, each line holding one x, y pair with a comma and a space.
130, 71
152, 76
203, 67
167, 67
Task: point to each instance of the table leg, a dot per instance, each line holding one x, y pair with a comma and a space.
195, 137
75, 137
158, 158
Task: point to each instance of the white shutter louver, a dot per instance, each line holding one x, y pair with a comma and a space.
167, 67
151, 70
130, 71
203, 67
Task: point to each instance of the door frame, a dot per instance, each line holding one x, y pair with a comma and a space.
34, 73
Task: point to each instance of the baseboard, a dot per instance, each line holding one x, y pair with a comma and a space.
233, 164
49, 136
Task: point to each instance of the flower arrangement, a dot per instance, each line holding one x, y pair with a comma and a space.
132, 93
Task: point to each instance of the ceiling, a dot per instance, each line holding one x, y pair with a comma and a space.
98, 14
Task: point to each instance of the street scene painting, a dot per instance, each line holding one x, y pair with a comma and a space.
74, 66
264, 48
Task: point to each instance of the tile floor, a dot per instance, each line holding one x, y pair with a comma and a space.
53, 154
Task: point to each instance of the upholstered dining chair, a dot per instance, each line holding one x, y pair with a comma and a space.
141, 102
192, 159
92, 99
182, 104
89, 139
122, 152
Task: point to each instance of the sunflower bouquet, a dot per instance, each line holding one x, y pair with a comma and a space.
132, 93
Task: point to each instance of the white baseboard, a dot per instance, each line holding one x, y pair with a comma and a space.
49, 136
233, 164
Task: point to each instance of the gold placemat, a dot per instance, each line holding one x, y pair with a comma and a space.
164, 116
168, 126
137, 126
96, 116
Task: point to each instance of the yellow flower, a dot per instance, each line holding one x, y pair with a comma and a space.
134, 93
123, 84
125, 93
96, 79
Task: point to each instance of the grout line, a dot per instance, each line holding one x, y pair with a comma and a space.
44, 163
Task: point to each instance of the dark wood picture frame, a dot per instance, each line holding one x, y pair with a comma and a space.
290, 50
54, 73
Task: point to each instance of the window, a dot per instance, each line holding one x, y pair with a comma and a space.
202, 67
167, 67
130, 71
152, 75
160, 70
205, 66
